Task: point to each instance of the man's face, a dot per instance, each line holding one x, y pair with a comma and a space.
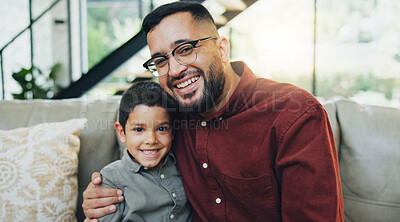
198, 86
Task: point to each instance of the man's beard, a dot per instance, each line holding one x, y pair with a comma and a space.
213, 88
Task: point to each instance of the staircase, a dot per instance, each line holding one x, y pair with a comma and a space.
129, 49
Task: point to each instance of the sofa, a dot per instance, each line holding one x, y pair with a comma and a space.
368, 144
367, 139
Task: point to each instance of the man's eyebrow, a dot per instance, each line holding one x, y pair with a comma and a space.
177, 42
157, 54
173, 45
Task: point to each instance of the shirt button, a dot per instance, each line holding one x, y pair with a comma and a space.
172, 216
162, 176
205, 165
203, 123
173, 195
218, 200
220, 118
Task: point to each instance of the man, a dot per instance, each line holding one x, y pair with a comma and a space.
249, 149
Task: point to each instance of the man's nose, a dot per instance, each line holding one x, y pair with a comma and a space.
175, 68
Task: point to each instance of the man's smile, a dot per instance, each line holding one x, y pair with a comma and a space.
187, 82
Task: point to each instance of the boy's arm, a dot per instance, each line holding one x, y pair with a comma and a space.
98, 202
110, 180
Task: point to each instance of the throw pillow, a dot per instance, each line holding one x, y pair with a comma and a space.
38, 171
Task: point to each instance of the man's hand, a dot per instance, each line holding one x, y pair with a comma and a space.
98, 202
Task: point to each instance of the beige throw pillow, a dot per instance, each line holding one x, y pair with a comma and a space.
38, 171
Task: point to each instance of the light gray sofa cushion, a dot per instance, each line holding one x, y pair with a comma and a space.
98, 140
369, 161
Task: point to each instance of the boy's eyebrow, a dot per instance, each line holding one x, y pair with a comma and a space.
136, 123
165, 123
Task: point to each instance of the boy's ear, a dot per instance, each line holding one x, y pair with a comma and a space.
120, 132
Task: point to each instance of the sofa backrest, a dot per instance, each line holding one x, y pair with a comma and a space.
99, 144
369, 159
367, 140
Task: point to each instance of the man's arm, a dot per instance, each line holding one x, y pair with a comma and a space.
308, 171
98, 202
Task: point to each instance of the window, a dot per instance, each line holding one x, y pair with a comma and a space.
357, 46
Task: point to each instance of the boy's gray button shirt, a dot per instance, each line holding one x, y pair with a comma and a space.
151, 194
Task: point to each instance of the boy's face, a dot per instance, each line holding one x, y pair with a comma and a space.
148, 134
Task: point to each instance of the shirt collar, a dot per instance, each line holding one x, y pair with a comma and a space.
240, 97
136, 167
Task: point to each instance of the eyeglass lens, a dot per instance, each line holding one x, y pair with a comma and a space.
184, 54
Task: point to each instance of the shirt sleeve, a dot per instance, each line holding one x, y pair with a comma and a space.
307, 169
109, 182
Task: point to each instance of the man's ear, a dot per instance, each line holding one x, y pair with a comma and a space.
224, 48
120, 131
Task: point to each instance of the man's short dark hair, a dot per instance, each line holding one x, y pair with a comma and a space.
146, 93
198, 11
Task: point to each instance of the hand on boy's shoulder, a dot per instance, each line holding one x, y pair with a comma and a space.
98, 202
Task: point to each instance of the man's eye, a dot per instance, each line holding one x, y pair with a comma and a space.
185, 50
159, 62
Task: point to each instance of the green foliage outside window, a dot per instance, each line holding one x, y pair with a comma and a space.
36, 84
108, 28
346, 85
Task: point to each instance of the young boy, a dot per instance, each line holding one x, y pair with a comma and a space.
147, 174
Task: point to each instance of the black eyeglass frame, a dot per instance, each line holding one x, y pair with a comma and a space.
193, 43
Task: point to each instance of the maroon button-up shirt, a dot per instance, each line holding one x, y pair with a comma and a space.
268, 155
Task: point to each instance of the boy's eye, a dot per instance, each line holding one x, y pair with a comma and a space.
163, 128
139, 129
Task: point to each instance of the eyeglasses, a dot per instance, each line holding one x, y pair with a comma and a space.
184, 53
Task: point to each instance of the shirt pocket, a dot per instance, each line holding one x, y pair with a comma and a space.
248, 187
254, 194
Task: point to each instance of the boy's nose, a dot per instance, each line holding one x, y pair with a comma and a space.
151, 138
